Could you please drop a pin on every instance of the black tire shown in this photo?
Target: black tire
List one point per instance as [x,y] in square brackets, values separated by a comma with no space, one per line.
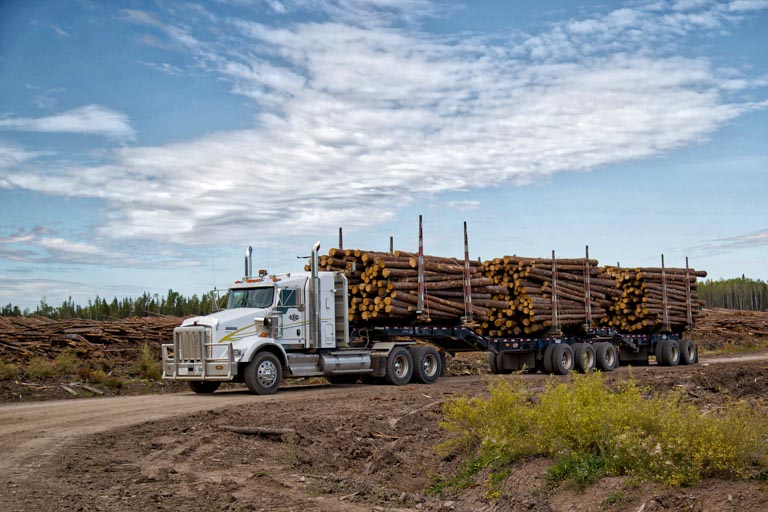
[344,378]
[585,358]
[203,387]
[547,361]
[426,364]
[562,359]
[263,374]
[399,366]
[606,356]
[659,352]
[672,353]
[688,352]
[492,362]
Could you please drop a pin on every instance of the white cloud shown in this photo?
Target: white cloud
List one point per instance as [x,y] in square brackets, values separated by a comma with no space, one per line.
[359,120]
[465,205]
[748,5]
[757,239]
[89,120]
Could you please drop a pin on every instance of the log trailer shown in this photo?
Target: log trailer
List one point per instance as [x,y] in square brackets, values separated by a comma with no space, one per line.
[297,325]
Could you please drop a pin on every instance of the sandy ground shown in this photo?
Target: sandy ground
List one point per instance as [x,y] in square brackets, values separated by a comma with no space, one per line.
[355,447]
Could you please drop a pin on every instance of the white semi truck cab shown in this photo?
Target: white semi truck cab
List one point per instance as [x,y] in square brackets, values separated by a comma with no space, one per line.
[289,325]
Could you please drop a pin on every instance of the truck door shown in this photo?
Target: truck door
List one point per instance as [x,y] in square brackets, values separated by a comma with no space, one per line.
[291,317]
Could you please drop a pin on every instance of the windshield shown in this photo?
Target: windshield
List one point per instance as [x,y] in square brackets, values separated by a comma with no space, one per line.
[251,298]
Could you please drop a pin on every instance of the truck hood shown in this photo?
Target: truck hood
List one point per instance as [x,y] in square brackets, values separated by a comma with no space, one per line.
[227,322]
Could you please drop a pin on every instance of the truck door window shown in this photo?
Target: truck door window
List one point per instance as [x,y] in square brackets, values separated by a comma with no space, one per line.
[287,300]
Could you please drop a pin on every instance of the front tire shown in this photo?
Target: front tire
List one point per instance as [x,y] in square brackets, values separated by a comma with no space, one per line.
[205,387]
[399,366]
[263,374]
[426,364]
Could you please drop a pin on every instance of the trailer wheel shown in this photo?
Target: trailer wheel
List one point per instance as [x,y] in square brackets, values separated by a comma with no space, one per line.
[547,361]
[672,353]
[263,374]
[492,362]
[659,352]
[562,359]
[606,356]
[426,364]
[688,352]
[399,366]
[586,359]
[203,387]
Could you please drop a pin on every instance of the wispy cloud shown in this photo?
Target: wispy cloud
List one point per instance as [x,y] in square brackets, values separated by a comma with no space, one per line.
[360,118]
[465,205]
[757,239]
[88,120]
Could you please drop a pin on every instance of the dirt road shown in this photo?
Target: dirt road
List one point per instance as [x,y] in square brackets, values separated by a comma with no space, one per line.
[356,446]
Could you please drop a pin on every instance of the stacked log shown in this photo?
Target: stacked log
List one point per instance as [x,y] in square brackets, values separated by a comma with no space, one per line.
[383,287]
[528,295]
[640,305]
[22,338]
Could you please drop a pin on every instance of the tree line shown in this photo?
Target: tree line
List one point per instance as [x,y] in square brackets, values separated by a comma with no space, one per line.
[737,293]
[171,304]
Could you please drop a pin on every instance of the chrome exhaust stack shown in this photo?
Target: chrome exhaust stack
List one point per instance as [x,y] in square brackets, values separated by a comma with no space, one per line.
[314,310]
[249,262]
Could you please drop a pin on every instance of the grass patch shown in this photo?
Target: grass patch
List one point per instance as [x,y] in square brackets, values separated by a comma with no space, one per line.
[100,377]
[742,346]
[592,431]
[39,368]
[67,362]
[8,371]
[147,365]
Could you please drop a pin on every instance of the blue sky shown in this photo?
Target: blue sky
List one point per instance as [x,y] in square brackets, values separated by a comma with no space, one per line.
[144,144]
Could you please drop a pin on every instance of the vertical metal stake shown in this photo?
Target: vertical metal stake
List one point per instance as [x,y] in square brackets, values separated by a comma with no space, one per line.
[587,290]
[420,301]
[467,278]
[665,305]
[555,318]
[688,305]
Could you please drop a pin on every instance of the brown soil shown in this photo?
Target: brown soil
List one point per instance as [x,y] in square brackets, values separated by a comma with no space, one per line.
[355,448]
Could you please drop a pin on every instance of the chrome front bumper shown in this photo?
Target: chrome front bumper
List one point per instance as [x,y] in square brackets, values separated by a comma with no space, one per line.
[192,356]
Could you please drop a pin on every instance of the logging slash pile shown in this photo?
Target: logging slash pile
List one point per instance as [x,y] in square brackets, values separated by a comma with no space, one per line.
[22,338]
[512,295]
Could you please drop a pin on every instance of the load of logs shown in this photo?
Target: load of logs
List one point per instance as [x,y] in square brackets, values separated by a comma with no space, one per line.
[640,305]
[512,296]
[22,338]
[384,286]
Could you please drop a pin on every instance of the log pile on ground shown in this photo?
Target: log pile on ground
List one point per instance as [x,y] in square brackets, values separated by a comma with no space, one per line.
[384,287]
[717,327]
[22,338]
[640,305]
[529,286]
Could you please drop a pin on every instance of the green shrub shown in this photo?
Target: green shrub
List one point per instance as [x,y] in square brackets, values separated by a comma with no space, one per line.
[8,371]
[39,368]
[592,431]
[147,365]
[100,377]
[67,362]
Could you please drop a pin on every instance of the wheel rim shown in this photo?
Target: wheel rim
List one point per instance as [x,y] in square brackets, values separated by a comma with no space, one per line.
[588,359]
[567,359]
[689,352]
[610,358]
[429,365]
[266,373]
[401,366]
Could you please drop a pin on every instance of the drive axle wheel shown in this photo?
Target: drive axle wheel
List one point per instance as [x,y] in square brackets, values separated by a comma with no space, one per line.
[672,353]
[263,374]
[203,387]
[426,364]
[399,366]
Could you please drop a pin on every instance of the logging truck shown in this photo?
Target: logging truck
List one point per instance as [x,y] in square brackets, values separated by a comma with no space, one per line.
[298,325]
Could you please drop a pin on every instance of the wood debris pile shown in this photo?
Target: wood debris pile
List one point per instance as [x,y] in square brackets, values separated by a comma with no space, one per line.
[22,338]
